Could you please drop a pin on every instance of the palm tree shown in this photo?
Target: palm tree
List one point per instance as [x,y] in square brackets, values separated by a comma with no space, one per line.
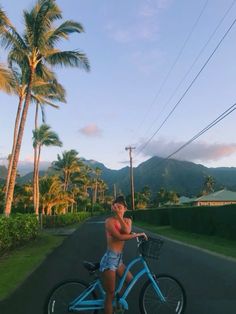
[209,185]
[53,91]
[68,164]
[43,95]
[43,136]
[52,194]
[97,173]
[34,51]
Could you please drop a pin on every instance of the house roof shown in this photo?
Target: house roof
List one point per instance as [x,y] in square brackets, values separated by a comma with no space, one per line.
[222,195]
[185,199]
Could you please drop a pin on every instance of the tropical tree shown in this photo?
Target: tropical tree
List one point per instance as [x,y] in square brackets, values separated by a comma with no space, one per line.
[67,164]
[34,51]
[43,136]
[52,195]
[42,94]
[97,172]
[208,185]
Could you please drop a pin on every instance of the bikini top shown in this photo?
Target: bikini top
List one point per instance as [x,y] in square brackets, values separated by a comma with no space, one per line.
[117,227]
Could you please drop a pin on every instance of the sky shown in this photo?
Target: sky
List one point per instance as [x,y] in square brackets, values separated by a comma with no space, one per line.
[146,88]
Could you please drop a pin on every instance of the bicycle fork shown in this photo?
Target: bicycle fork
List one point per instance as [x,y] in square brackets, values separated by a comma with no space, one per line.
[152,278]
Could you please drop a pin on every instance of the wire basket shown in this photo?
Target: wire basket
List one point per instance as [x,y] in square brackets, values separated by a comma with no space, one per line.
[151,248]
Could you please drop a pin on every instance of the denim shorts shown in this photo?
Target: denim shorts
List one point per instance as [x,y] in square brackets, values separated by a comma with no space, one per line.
[110,260]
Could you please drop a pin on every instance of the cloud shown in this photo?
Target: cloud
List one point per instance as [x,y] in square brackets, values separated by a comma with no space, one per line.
[141,24]
[91,130]
[138,31]
[151,8]
[196,151]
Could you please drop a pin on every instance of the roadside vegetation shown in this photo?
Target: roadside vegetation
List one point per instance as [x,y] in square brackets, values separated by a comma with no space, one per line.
[213,244]
[16,265]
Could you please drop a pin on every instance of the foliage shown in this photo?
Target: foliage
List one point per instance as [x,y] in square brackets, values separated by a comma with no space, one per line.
[16,230]
[54,221]
[164,196]
[157,217]
[212,220]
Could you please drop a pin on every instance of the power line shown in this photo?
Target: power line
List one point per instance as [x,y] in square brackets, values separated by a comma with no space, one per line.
[208,127]
[195,60]
[188,88]
[175,62]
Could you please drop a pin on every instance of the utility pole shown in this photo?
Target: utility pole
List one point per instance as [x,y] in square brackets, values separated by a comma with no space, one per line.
[114,190]
[129,148]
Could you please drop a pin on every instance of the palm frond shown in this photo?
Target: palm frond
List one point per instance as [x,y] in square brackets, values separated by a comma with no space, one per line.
[43,101]
[66,28]
[7,81]
[4,20]
[69,58]
[48,11]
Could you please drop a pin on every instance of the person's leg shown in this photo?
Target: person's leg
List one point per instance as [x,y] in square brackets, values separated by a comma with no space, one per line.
[109,281]
[120,271]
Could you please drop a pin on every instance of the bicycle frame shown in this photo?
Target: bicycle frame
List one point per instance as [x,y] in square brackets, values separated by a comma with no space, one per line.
[85,300]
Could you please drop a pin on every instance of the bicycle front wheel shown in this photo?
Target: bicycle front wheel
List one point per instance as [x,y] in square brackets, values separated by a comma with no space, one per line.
[172,290]
[62,295]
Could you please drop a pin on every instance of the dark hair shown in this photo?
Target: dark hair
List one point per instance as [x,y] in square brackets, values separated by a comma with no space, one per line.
[120,200]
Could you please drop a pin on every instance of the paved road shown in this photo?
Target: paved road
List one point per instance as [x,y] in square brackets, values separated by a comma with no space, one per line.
[210,281]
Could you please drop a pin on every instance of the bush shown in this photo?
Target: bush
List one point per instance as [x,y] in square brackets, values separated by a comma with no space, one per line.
[17,229]
[157,217]
[55,221]
[209,220]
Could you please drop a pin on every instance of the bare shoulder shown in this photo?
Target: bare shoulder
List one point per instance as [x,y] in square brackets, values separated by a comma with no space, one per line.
[109,220]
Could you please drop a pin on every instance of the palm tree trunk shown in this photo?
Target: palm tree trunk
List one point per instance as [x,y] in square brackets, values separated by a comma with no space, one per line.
[17,120]
[37,181]
[12,179]
[35,163]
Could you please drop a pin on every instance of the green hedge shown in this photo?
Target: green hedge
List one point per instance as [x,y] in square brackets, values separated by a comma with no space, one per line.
[17,229]
[157,217]
[64,220]
[209,220]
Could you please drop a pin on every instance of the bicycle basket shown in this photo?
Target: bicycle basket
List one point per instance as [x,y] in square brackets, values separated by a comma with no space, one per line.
[151,248]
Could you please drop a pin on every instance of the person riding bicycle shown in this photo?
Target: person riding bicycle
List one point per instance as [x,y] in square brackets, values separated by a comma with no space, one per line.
[118,230]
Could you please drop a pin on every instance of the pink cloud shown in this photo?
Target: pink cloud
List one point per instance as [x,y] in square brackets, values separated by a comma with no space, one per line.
[91,130]
[196,151]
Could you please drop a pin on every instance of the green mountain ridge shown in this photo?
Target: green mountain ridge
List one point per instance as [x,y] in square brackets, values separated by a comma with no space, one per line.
[185,178]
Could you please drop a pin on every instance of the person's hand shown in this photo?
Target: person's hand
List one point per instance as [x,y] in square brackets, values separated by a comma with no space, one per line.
[143,234]
[116,209]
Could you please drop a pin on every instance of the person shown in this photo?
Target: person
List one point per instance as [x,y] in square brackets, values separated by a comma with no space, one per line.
[118,230]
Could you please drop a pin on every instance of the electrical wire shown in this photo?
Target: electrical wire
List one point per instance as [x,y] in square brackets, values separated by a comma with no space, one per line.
[208,127]
[174,63]
[189,87]
[194,62]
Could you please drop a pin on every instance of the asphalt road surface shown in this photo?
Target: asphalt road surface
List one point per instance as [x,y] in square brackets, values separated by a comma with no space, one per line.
[209,281]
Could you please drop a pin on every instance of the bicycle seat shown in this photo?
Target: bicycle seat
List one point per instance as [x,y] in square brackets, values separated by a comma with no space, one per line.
[90,266]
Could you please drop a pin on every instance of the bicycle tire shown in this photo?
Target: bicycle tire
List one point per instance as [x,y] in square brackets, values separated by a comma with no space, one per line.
[62,294]
[171,288]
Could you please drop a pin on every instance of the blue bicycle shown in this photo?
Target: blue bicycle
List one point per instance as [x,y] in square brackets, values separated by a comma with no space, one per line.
[161,294]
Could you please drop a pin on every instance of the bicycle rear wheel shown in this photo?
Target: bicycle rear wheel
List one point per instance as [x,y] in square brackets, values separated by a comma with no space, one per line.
[61,296]
[172,290]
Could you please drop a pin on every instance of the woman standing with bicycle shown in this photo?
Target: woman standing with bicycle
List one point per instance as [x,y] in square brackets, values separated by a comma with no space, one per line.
[118,230]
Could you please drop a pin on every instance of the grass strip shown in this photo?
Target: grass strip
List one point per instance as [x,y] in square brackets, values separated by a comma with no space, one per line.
[212,243]
[18,264]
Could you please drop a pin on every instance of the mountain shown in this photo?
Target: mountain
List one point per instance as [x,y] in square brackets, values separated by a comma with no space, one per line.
[185,178]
